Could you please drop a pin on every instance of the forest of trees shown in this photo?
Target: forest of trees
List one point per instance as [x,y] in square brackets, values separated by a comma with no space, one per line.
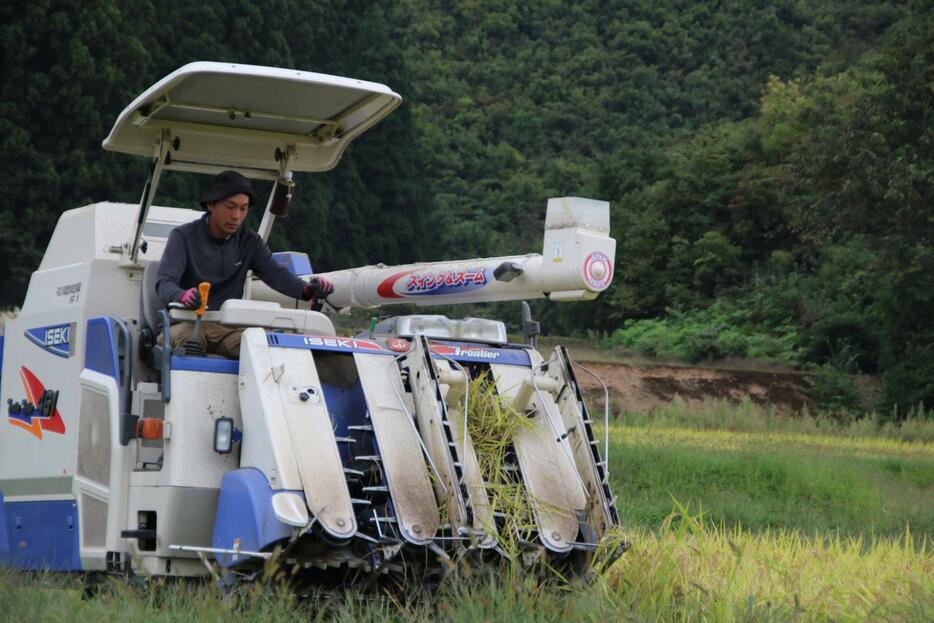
[769,164]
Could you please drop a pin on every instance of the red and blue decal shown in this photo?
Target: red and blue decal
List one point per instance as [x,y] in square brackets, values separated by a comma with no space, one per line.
[38,411]
[481,354]
[320,342]
[433,282]
[55,339]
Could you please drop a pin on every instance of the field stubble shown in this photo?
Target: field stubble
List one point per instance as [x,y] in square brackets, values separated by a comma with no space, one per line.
[733,515]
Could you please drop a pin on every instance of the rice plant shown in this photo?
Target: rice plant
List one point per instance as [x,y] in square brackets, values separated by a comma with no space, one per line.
[492,424]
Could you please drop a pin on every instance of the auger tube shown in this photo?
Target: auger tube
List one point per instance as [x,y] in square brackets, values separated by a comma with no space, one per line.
[576,264]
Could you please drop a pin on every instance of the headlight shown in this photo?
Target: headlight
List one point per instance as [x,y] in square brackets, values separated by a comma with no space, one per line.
[223,435]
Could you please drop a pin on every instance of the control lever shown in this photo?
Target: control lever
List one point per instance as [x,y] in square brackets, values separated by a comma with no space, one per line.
[193,347]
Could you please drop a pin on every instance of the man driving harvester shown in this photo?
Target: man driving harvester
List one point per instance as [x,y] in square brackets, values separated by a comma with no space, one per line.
[218,250]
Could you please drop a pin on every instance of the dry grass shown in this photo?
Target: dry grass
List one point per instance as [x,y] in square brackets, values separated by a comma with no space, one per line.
[747,417]
[492,424]
[690,570]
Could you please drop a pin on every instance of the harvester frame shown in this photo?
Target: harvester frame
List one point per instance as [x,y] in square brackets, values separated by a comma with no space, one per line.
[341,456]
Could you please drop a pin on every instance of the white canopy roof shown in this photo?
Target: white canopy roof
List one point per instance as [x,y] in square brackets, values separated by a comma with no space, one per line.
[221,115]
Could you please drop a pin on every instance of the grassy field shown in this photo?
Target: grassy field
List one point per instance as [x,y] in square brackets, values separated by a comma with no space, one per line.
[734,515]
[741,467]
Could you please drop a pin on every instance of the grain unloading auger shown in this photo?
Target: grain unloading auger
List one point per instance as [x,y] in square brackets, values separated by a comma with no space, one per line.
[341,456]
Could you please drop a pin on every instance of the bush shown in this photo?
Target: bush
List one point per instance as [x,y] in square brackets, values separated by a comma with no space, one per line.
[835,392]
[722,330]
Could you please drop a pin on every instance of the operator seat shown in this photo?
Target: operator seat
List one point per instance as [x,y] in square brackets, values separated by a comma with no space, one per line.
[149,317]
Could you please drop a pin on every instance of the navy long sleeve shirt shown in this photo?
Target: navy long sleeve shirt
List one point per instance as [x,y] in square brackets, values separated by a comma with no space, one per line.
[192,255]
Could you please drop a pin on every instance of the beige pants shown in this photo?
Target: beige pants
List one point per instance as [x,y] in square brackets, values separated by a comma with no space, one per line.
[214,337]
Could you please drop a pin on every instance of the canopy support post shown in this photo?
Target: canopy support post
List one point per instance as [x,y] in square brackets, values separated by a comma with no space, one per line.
[285,176]
[149,192]
[269,215]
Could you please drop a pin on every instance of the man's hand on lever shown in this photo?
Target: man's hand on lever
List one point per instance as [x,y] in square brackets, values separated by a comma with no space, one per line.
[317,289]
[190,298]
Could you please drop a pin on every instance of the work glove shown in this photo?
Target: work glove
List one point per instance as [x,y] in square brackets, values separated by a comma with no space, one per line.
[318,287]
[191,298]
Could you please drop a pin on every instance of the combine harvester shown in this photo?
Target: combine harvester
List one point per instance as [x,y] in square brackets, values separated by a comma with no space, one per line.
[342,457]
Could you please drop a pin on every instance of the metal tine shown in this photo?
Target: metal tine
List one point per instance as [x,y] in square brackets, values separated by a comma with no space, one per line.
[353,472]
[361,427]
[366,538]
[376,489]
[360,502]
[375,458]
[345,440]
[384,520]
[477,536]
[587,547]
[437,551]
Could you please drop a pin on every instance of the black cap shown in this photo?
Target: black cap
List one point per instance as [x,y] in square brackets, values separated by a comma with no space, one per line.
[225,184]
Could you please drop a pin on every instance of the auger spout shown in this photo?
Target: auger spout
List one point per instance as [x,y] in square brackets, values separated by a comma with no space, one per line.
[576,264]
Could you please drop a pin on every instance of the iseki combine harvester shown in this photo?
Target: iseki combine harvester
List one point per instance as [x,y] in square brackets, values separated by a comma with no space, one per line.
[338,457]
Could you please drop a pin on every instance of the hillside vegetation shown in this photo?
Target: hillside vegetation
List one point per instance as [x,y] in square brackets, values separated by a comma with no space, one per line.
[770,165]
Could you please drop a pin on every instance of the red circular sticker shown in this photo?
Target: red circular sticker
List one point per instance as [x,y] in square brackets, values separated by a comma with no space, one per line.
[598,270]
[397,344]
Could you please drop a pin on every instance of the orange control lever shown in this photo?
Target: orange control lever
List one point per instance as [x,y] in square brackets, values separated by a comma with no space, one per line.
[204,288]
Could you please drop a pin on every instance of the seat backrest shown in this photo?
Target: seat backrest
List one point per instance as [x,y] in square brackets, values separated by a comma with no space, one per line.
[149,303]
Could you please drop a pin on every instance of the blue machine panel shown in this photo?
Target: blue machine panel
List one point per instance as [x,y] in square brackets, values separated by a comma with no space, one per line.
[4,541]
[347,407]
[295,262]
[206,364]
[335,344]
[39,535]
[100,353]
[1,355]
[480,353]
[245,515]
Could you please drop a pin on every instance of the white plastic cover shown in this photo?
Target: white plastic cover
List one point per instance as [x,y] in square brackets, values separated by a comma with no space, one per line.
[239,116]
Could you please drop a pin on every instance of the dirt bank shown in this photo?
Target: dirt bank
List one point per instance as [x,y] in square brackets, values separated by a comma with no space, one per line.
[643,387]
